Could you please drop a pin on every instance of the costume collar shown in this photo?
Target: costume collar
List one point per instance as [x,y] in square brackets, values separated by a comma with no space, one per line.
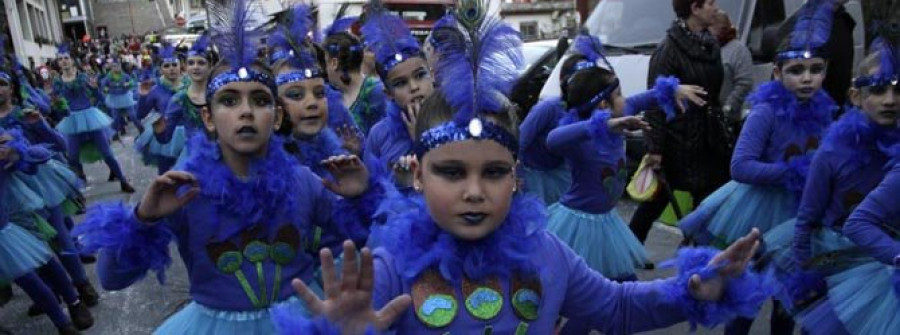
[856,134]
[418,244]
[812,115]
[266,199]
[311,151]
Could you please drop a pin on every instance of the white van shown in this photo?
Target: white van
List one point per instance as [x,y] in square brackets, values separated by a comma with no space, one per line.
[631,29]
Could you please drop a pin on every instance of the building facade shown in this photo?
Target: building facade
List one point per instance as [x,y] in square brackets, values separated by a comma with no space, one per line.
[33,29]
[541,19]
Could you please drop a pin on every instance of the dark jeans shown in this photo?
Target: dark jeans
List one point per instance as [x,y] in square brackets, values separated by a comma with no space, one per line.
[647,212]
[782,323]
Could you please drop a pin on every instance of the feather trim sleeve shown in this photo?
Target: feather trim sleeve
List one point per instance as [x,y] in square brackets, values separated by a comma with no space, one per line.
[354,216]
[742,296]
[661,96]
[129,247]
[30,156]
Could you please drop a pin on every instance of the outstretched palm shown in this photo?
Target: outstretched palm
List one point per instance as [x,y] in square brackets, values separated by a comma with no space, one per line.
[735,260]
[351,178]
[348,301]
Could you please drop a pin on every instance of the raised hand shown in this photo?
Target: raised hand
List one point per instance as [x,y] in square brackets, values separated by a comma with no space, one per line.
[734,262]
[350,139]
[621,124]
[32,116]
[8,155]
[348,301]
[162,200]
[689,92]
[403,174]
[410,115]
[351,178]
[159,126]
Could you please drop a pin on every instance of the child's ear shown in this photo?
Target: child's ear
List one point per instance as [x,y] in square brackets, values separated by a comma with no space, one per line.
[855,96]
[417,174]
[207,120]
[279,116]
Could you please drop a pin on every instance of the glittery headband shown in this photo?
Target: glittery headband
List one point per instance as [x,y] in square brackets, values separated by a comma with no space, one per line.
[398,58]
[170,60]
[240,75]
[798,54]
[335,48]
[477,129]
[876,80]
[195,53]
[279,55]
[602,95]
[295,76]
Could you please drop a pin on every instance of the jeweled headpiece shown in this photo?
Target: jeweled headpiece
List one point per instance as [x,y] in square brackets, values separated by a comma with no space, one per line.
[477,68]
[229,20]
[811,31]
[388,37]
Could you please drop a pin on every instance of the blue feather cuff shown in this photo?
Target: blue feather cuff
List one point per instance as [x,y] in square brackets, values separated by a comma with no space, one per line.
[135,246]
[795,177]
[288,324]
[742,296]
[608,144]
[665,88]
[354,216]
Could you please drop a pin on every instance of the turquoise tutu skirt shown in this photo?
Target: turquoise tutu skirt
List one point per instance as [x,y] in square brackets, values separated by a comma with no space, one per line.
[117,101]
[734,209]
[83,121]
[603,240]
[196,319]
[20,252]
[548,185]
[54,182]
[863,299]
[19,197]
[151,149]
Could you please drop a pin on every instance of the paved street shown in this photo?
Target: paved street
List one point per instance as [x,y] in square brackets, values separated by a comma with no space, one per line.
[139,309]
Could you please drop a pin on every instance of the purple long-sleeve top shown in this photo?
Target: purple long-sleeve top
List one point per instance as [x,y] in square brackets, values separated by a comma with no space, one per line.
[533,131]
[388,139]
[181,111]
[594,192]
[156,100]
[122,85]
[779,128]
[871,221]
[78,93]
[847,167]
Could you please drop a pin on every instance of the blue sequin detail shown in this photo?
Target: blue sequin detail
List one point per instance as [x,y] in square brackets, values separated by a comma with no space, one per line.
[483,297]
[450,132]
[433,304]
[295,76]
[232,76]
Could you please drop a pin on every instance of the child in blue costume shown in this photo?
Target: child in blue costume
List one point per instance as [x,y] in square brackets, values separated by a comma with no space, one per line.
[153,102]
[182,114]
[472,256]
[83,124]
[407,80]
[242,211]
[585,218]
[52,181]
[545,174]
[362,95]
[302,93]
[789,115]
[865,299]
[22,255]
[117,86]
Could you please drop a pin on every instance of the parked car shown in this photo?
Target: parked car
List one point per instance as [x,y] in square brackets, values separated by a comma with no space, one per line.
[540,58]
[631,29]
[179,35]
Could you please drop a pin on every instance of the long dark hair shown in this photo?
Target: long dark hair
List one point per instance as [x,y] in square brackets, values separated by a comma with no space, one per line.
[579,87]
[348,51]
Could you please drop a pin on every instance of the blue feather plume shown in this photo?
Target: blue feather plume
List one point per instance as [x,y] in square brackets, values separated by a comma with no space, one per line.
[889,63]
[167,51]
[813,25]
[478,66]
[591,48]
[200,45]
[386,34]
[62,48]
[341,25]
[229,21]
[291,35]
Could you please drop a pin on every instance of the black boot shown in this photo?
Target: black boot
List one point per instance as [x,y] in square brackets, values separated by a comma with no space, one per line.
[68,330]
[87,294]
[126,187]
[112,177]
[5,294]
[81,316]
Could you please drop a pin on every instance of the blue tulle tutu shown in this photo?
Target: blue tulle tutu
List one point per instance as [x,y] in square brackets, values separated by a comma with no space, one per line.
[196,319]
[117,101]
[603,240]
[54,182]
[20,252]
[864,300]
[83,121]
[548,185]
[731,211]
[19,197]
[151,149]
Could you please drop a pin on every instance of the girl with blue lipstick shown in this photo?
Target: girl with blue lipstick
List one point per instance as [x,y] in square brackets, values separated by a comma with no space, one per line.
[245,215]
[472,256]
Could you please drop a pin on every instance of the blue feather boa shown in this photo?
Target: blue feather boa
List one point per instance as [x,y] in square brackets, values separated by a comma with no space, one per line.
[665,89]
[418,244]
[394,119]
[311,152]
[811,116]
[855,135]
[30,155]
[135,246]
[268,197]
[743,295]
[287,323]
